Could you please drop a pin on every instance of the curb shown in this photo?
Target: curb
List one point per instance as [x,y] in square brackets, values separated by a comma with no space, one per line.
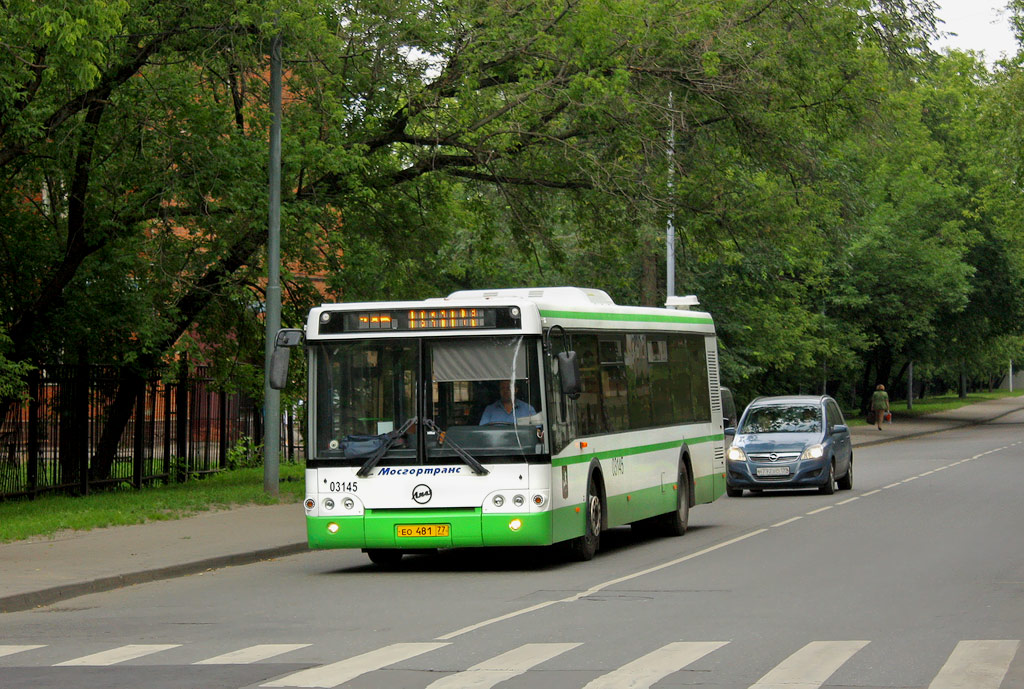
[26,601]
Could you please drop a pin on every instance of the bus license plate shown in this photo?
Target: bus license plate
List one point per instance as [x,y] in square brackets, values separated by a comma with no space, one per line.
[422,530]
[773,471]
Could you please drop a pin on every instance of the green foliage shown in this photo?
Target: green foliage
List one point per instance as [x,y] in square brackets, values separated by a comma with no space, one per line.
[244,454]
[12,373]
[844,200]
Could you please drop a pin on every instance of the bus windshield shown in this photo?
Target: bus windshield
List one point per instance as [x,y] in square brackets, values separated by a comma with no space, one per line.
[423,400]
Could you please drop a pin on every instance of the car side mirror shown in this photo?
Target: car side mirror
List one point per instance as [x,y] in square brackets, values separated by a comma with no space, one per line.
[286,338]
[730,430]
[840,428]
[569,373]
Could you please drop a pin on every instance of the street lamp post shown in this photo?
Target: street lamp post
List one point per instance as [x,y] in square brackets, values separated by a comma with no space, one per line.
[272,397]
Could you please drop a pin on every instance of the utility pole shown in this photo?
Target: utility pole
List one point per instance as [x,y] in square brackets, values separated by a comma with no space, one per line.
[271,397]
[670,231]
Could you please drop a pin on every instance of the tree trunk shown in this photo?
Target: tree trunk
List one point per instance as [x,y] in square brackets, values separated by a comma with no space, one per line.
[649,295]
[118,415]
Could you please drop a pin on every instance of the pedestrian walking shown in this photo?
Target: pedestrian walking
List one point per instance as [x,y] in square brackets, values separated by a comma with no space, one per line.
[880,404]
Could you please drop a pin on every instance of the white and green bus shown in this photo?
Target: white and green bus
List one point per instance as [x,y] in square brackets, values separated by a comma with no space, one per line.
[513,417]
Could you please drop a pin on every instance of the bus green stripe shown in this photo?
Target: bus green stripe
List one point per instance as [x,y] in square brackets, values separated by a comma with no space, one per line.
[642,317]
[638,450]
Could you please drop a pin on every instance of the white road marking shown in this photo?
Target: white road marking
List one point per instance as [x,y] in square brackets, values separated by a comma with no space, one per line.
[820,509]
[500,668]
[599,587]
[332,675]
[811,666]
[976,665]
[118,655]
[251,654]
[11,650]
[645,671]
[787,521]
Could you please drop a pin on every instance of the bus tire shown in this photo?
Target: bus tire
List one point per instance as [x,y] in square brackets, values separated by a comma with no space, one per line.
[584,547]
[384,557]
[675,523]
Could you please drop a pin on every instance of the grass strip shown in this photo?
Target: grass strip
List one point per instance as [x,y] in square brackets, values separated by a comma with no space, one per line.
[48,515]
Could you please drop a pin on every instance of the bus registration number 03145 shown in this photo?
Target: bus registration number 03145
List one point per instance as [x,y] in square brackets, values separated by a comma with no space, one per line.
[422,530]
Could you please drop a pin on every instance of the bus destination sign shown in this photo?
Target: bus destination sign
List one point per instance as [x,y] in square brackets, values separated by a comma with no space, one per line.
[421,319]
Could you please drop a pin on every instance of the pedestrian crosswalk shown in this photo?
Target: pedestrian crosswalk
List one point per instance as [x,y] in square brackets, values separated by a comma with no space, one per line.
[971,664]
[117,655]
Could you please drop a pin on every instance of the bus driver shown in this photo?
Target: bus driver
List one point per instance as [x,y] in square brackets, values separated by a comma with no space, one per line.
[500,411]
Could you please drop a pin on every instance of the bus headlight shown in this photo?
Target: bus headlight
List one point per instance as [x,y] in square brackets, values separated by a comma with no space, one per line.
[329,504]
[498,501]
[515,524]
[310,503]
[348,503]
[332,528]
[539,500]
[519,501]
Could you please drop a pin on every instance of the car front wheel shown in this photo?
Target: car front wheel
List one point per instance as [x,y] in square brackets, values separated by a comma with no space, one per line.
[829,486]
[846,482]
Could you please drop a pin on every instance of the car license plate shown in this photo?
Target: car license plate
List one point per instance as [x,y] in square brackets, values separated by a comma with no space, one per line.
[773,471]
[422,530]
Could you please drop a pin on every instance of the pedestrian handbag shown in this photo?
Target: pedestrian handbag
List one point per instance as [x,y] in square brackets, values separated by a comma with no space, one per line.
[888,416]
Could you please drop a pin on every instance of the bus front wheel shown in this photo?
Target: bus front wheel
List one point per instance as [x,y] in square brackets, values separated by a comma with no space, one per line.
[384,557]
[585,547]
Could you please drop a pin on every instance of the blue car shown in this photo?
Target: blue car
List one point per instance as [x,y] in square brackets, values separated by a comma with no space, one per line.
[800,441]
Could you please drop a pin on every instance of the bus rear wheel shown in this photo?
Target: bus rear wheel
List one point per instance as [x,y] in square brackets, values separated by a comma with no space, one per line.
[675,523]
[585,547]
[384,557]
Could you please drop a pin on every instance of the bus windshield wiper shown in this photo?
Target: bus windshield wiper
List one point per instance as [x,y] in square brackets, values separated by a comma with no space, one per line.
[392,437]
[442,440]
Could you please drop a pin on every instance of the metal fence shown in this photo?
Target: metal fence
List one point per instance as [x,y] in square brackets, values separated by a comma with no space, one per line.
[177,430]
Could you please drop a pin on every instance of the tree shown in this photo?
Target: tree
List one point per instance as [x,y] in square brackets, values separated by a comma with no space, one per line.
[416,133]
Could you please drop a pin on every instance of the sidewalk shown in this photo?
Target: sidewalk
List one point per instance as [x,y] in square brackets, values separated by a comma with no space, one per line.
[42,572]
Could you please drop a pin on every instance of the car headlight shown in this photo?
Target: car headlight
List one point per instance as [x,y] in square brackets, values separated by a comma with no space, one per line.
[813,452]
[736,454]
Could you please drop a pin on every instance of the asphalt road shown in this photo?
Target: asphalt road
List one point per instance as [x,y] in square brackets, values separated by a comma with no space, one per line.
[914,579]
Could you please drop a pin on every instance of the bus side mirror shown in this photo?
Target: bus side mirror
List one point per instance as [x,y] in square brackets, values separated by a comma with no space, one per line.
[286,339]
[569,372]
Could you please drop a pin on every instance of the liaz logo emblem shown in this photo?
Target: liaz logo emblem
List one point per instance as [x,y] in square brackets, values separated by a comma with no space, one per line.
[421,494]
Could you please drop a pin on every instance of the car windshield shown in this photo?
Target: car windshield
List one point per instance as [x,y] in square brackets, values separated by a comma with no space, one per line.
[782,419]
